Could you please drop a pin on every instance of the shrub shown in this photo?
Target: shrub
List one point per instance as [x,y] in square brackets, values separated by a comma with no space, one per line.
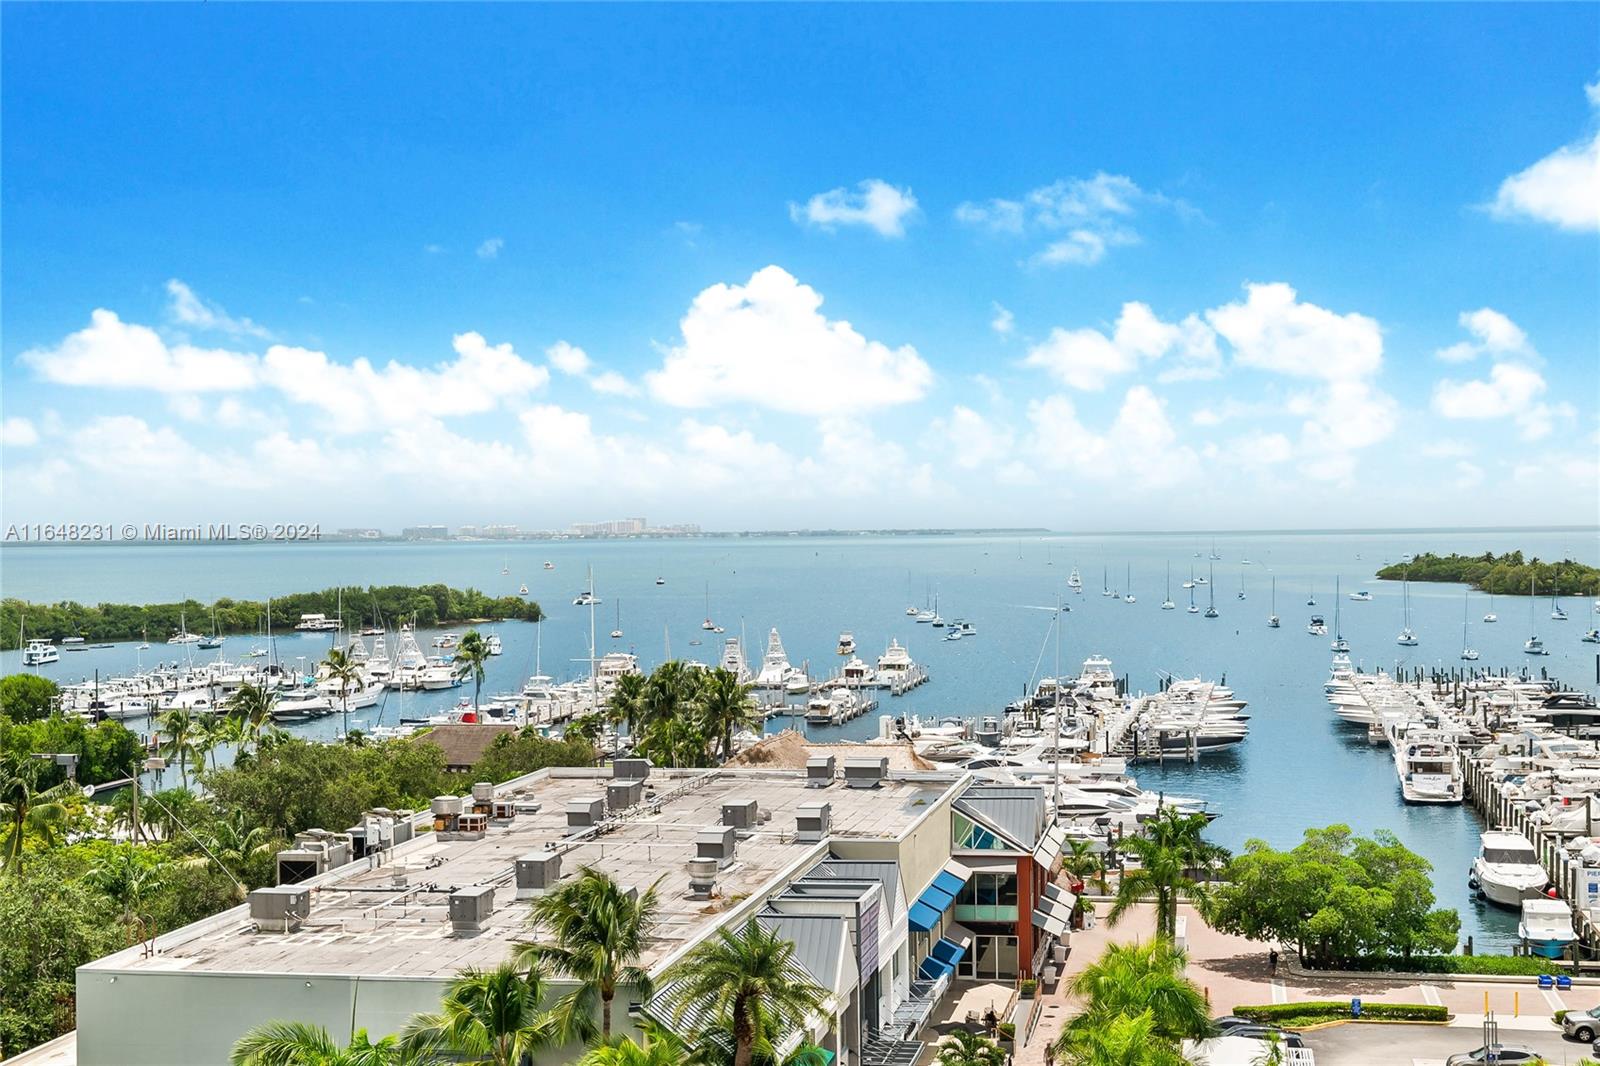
[1007,1030]
[1027,987]
[1315,1011]
[1494,965]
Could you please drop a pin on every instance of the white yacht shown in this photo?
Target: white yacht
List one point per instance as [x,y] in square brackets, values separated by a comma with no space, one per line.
[733,660]
[1361,596]
[586,598]
[894,663]
[776,672]
[494,644]
[1546,927]
[1317,627]
[1507,869]
[1408,636]
[40,653]
[1075,580]
[1167,604]
[847,644]
[522,590]
[1426,763]
[310,623]
[181,637]
[1128,584]
[1468,652]
[1490,616]
[1591,636]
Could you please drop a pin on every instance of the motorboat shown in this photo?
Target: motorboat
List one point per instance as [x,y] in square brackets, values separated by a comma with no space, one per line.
[40,653]
[1534,646]
[1075,580]
[494,644]
[1361,596]
[776,672]
[548,565]
[313,623]
[586,598]
[522,590]
[446,641]
[1591,636]
[954,633]
[180,637]
[1317,627]
[819,709]
[1426,764]
[1507,869]
[1546,927]
[894,663]
[733,660]
[966,628]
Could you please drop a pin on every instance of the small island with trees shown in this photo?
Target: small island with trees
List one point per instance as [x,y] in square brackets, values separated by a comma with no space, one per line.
[1503,575]
[423,605]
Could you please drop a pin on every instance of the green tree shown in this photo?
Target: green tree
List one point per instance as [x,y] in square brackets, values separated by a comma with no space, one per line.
[27,697]
[234,844]
[1335,896]
[726,706]
[27,811]
[961,1048]
[177,727]
[471,655]
[626,704]
[1134,997]
[129,876]
[251,706]
[748,978]
[347,672]
[299,1044]
[1083,860]
[50,924]
[489,1018]
[596,934]
[660,1048]
[1175,863]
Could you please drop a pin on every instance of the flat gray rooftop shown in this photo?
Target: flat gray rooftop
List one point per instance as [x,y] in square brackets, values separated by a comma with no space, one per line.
[367,922]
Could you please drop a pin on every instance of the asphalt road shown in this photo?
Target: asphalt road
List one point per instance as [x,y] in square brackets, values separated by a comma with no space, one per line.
[1426,1045]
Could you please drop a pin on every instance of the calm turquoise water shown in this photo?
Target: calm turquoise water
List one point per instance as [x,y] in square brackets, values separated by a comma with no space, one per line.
[1298,768]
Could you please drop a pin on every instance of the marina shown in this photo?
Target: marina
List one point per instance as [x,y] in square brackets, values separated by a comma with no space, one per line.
[1299,767]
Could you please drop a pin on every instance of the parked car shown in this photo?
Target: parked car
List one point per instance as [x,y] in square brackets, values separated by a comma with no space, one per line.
[1509,1054]
[1582,1024]
[1257,1031]
[1229,1022]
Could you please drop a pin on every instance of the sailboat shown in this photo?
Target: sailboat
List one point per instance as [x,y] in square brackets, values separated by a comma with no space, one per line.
[708,625]
[911,611]
[1211,607]
[1241,584]
[1192,608]
[1105,582]
[505,567]
[1075,580]
[1191,582]
[1407,637]
[616,634]
[1533,645]
[1311,600]
[1557,614]
[1272,619]
[215,639]
[1129,586]
[1491,616]
[1339,643]
[1468,652]
[146,633]
[938,623]
[1167,604]
[1214,556]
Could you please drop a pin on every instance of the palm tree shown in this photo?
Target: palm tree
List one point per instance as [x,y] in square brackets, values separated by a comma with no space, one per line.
[597,933]
[1130,982]
[26,810]
[299,1044]
[233,845]
[347,672]
[128,881]
[660,1048]
[251,706]
[471,654]
[1174,862]
[1128,1040]
[961,1048]
[626,705]
[750,979]
[725,706]
[177,725]
[208,733]
[1083,860]
[489,1018]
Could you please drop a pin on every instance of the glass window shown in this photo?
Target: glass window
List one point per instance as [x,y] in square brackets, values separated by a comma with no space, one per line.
[1007,890]
[988,889]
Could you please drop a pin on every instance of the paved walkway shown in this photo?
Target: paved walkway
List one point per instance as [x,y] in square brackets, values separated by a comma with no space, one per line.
[1234,972]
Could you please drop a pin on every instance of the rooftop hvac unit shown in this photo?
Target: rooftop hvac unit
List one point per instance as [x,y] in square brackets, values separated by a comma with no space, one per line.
[467,827]
[620,795]
[811,822]
[537,872]
[702,877]
[819,771]
[503,811]
[630,769]
[866,772]
[740,814]
[470,908]
[300,864]
[715,842]
[585,813]
[446,806]
[483,792]
[280,909]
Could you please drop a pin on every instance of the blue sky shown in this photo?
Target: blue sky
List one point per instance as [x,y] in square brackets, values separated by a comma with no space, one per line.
[1354,254]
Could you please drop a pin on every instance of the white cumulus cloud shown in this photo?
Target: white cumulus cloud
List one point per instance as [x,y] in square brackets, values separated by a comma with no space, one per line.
[567,358]
[1562,189]
[1080,218]
[767,343]
[1086,358]
[1273,330]
[1493,334]
[111,353]
[873,203]
[188,309]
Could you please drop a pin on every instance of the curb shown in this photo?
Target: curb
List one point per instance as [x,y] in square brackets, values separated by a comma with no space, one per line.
[1295,969]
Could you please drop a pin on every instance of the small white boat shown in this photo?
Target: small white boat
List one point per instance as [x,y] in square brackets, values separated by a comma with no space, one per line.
[494,645]
[847,644]
[586,599]
[1317,627]
[1546,927]
[1361,596]
[1591,637]
[522,591]
[1507,869]
[661,581]
[40,653]
[548,565]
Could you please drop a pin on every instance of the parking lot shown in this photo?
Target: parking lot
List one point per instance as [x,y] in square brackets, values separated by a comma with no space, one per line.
[1428,1045]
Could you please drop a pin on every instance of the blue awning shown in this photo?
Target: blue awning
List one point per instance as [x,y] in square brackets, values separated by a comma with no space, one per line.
[937,897]
[941,960]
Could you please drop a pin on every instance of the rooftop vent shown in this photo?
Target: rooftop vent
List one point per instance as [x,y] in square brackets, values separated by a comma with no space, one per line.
[866,772]
[702,877]
[620,795]
[446,806]
[483,791]
[470,908]
[502,811]
[585,813]
[740,814]
[280,909]
[715,842]
[819,771]
[630,769]
[811,822]
[537,872]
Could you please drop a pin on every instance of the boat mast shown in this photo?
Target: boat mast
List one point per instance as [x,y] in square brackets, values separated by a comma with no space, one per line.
[594,668]
[1055,794]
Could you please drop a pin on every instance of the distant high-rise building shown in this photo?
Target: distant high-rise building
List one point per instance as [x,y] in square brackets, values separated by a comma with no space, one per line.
[425,533]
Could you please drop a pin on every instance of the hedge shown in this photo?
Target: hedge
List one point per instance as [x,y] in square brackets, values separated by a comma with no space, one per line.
[1328,1010]
[1495,965]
